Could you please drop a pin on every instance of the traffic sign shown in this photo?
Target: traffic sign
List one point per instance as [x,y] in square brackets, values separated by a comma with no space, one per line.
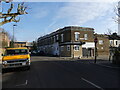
[96,40]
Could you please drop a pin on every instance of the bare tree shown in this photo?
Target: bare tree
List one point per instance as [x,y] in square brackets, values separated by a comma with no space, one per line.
[117,12]
[11,17]
[109,32]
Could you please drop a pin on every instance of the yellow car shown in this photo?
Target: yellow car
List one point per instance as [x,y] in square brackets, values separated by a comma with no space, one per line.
[16,57]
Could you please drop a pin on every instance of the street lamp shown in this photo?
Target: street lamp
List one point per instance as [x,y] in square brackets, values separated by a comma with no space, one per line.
[13,33]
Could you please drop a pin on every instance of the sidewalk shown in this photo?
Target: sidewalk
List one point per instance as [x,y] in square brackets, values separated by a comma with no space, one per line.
[109,64]
[100,61]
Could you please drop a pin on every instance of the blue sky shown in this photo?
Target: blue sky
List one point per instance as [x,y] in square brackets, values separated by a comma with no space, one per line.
[46,17]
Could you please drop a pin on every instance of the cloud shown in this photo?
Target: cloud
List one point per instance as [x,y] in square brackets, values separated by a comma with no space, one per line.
[111,24]
[65,0]
[40,12]
[80,13]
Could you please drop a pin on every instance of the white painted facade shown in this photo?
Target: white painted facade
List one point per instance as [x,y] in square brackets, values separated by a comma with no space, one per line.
[51,49]
[114,43]
[88,45]
[55,49]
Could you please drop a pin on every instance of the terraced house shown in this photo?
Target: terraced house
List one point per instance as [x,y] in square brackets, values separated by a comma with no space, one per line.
[69,41]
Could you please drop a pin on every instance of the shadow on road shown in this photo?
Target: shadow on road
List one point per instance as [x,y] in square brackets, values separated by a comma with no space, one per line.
[8,70]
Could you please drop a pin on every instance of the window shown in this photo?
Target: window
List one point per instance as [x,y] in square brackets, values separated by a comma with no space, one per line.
[100,41]
[77,36]
[101,47]
[61,37]
[57,37]
[111,42]
[76,47]
[116,43]
[51,39]
[85,36]
[62,48]
[54,39]
[17,52]
[68,47]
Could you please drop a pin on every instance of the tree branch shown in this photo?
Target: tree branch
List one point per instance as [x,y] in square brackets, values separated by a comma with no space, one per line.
[10,17]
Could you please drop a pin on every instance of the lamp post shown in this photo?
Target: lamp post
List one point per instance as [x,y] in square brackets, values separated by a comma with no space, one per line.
[13,33]
[95,40]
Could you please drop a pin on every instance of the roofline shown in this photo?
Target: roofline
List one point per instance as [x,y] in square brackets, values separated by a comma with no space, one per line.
[61,29]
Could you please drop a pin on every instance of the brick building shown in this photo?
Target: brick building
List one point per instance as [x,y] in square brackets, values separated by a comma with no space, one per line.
[69,41]
[4,39]
[102,45]
[20,44]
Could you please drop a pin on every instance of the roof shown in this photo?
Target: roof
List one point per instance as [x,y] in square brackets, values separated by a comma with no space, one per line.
[16,48]
[114,36]
[67,28]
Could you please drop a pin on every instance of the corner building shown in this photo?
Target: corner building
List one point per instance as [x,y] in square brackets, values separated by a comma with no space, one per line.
[69,41]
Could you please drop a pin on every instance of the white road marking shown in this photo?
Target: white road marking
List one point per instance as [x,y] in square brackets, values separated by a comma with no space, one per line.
[92,84]
[23,84]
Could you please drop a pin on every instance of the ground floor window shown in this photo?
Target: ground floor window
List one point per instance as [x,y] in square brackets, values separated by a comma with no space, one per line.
[68,47]
[62,48]
[88,52]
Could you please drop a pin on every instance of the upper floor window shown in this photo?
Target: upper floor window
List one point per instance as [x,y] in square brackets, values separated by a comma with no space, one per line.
[102,48]
[68,47]
[61,37]
[77,36]
[111,43]
[51,39]
[100,41]
[76,47]
[56,37]
[116,43]
[85,36]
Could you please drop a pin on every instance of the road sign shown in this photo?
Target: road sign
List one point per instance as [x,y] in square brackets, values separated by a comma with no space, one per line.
[96,40]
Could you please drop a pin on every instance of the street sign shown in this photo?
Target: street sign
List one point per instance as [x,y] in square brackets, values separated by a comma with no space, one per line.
[96,40]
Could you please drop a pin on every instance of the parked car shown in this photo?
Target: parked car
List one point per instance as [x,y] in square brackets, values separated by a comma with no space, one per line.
[15,58]
[41,53]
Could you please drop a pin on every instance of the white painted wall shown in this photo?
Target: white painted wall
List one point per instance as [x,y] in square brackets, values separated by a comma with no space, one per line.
[89,45]
[55,49]
[114,43]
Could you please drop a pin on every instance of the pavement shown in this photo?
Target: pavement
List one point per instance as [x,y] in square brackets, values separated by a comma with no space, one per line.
[99,61]
[51,72]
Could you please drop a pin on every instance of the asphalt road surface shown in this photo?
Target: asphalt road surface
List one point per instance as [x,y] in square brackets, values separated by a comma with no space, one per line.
[52,73]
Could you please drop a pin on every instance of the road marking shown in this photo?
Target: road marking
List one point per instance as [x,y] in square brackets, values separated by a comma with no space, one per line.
[92,84]
[23,84]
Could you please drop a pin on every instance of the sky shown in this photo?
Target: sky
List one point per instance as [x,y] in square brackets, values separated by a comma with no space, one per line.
[46,17]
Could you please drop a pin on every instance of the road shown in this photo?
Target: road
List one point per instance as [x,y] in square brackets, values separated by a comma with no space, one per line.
[52,73]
